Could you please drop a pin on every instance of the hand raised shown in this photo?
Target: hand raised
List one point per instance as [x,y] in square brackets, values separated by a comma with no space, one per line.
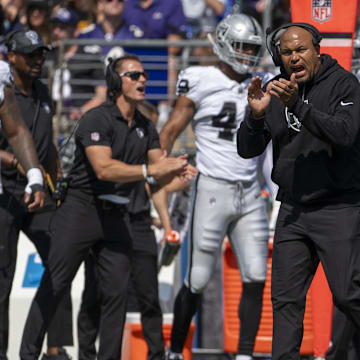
[258,99]
[168,165]
[286,90]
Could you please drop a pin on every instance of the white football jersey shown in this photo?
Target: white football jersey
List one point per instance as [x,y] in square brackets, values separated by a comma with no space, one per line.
[220,108]
[6,78]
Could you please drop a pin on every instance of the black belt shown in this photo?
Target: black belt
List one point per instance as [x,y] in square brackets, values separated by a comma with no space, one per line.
[109,205]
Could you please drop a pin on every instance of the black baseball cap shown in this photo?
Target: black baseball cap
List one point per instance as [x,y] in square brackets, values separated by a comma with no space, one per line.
[25,42]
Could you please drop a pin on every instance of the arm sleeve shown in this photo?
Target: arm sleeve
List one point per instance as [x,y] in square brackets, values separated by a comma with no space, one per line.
[94,130]
[188,84]
[340,126]
[154,141]
[252,137]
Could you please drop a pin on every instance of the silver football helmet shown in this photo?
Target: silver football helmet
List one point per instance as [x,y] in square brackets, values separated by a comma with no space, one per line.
[233,35]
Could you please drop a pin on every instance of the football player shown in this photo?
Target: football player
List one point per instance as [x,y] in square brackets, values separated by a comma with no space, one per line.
[226,199]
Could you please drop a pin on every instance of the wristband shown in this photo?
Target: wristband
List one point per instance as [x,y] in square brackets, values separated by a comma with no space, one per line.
[34,177]
[144,171]
[151,180]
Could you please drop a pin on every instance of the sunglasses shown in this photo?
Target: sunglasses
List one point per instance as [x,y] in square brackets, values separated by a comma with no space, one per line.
[135,75]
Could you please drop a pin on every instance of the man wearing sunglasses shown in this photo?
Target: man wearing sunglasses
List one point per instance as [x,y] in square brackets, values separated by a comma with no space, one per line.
[115,147]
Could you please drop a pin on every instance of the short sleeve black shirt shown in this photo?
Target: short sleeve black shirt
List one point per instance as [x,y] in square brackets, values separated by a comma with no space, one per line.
[37,112]
[105,126]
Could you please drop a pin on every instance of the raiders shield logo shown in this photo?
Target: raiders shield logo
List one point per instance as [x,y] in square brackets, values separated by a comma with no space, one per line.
[321,10]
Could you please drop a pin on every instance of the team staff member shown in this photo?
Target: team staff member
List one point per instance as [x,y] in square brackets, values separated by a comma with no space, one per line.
[20,140]
[115,144]
[213,98]
[26,56]
[311,113]
[143,287]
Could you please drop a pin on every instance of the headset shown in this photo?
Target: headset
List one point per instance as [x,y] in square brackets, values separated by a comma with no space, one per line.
[273,39]
[113,80]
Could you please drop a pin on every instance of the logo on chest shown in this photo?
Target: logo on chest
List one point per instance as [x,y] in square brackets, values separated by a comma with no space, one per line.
[46,107]
[140,132]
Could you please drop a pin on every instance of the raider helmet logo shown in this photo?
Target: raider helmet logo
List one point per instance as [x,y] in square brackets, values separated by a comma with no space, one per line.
[32,36]
[321,10]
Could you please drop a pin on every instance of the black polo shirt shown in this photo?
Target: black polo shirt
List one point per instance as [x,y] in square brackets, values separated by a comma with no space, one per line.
[105,126]
[139,199]
[37,111]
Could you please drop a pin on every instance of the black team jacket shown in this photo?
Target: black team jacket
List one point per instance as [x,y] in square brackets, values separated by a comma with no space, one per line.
[320,164]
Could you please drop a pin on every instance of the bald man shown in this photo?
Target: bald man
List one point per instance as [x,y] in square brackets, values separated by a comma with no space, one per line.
[311,113]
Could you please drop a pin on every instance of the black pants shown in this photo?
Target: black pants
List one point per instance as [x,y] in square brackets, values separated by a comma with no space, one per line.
[81,224]
[303,236]
[145,285]
[13,218]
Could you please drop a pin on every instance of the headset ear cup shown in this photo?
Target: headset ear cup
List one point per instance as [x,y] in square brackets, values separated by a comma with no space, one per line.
[273,48]
[113,80]
[277,56]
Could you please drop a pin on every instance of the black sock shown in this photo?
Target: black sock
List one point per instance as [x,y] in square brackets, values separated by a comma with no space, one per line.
[249,313]
[185,307]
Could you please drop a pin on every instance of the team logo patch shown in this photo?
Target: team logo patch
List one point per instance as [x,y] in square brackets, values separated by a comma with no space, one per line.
[157,15]
[321,10]
[46,107]
[95,136]
[212,201]
[292,120]
[32,36]
[140,132]
[183,86]
[138,33]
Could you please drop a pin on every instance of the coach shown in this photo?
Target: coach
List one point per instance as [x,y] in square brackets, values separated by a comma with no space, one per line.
[311,113]
[114,144]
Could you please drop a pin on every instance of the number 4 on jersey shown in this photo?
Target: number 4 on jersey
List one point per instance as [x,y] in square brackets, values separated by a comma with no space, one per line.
[226,120]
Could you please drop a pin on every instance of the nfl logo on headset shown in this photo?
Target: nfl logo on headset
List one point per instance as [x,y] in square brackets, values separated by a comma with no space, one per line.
[321,10]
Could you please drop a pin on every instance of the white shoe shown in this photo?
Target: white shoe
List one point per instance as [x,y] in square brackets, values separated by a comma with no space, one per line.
[243,357]
[174,356]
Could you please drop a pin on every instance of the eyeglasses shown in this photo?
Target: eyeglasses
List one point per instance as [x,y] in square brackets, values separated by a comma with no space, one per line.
[119,1]
[135,75]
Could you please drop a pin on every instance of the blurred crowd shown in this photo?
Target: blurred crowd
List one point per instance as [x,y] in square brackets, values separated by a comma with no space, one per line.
[198,15]
[104,20]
